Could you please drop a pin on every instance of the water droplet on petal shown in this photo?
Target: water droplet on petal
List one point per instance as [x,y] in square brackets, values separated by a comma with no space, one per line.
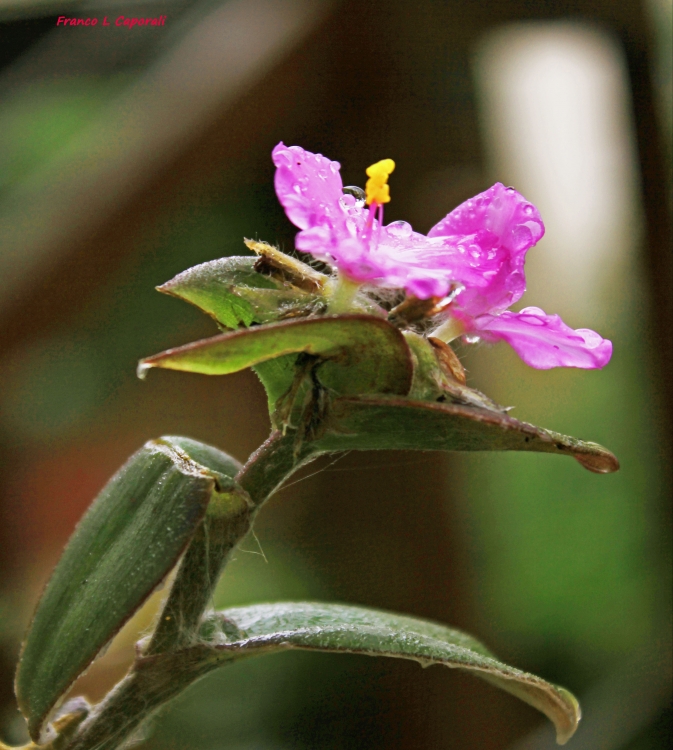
[536,229]
[532,311]
[284,156]
[357,192]
[591,338]
[528,209]
[522,237]
[399,229]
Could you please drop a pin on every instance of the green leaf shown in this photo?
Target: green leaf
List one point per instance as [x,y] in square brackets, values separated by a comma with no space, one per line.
[221,464]
[361,353]
[267,628]
[233,293]
[276,376]
[123,547]
[393,423]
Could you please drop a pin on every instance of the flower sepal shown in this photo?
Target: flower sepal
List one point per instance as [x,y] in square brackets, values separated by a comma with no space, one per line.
[355,382]
[344,354]
[439,376]
[240,291]
[402,423]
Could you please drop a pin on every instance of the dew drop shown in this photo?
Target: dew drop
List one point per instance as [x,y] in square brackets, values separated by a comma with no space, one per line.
[522,237]
[600,460]
[399,229]
[471,339]
[284,156]
[357,192]
[528,209]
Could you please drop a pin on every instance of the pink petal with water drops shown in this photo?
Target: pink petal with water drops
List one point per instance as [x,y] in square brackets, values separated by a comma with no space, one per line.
[492,233]
[545,341]
[308,187]
[500,210]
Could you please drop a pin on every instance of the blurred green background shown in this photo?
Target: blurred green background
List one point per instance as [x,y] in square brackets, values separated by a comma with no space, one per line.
[127,156]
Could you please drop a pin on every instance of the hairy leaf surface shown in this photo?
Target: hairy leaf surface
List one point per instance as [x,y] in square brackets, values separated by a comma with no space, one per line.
[233,293]
[267,628]
[123,547]
[378,423]
[357,353]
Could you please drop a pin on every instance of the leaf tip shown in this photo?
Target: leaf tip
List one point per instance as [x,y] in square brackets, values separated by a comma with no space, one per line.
[597,459]
[566,721]
[142,368]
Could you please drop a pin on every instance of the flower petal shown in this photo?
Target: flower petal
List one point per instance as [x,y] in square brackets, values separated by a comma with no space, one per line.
[545,341]
[308,186]
[500,210]
[492,233]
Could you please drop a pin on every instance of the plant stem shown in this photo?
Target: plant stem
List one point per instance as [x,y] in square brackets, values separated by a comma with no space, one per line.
[200,568]
[271,464]
[149,685]
[342,296]
[215,540]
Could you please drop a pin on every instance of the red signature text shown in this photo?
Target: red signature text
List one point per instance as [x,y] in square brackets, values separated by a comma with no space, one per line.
[120,21]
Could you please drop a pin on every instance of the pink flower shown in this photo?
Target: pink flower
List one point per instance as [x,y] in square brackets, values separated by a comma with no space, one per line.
[478,250]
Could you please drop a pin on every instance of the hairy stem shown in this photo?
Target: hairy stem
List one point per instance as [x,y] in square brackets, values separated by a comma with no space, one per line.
[216,539]
[342,295]
[271,464]
[199,571]
[149,684]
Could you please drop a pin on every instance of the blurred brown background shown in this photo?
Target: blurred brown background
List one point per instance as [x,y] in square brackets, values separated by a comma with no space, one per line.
[128,155]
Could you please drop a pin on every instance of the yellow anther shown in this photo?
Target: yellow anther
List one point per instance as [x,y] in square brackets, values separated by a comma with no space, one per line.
[377,188]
